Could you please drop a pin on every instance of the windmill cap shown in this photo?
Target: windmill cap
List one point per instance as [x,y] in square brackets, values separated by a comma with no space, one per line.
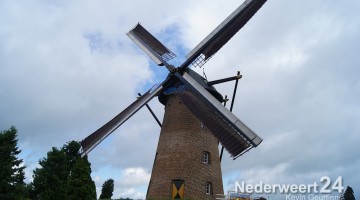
[177,86]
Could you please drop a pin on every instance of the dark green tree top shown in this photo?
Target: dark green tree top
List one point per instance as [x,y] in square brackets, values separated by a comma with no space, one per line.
[81,186]
[72,150]
[107,189]
[50,180]
[11,169]
[64,175]
[349,194]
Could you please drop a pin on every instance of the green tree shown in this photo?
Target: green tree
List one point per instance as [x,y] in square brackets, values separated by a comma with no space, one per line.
[107,189]
[50,181]
[29,191]
[64,175]
[12,173]
[349,194]
[80,184]
[72,151]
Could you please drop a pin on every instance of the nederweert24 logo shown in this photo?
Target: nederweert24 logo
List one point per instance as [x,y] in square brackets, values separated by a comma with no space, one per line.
[325,186]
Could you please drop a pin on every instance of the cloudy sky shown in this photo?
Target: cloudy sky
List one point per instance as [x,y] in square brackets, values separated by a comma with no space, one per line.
[67,67]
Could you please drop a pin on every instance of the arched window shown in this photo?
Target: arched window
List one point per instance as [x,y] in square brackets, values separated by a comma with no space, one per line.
[206,157]
[208,188]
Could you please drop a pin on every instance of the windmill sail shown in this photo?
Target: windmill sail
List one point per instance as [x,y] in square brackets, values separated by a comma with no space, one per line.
[99,135]
[223,33]
[233,134]
[150,45]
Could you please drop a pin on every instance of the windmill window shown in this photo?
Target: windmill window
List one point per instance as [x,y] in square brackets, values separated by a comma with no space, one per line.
[202,126]
[208,188]
[206,157]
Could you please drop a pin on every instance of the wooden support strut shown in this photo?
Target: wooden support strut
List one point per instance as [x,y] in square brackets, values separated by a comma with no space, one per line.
[222,147]
[232,101]
[152,112]
[237,77]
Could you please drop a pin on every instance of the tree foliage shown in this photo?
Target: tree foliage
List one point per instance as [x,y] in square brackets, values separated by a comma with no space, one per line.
[64,175]
[107,189]
[50,180]
[349,194]
[12,173]
[80,183]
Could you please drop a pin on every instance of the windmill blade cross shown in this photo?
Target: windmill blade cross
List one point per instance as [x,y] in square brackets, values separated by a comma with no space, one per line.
[231,132]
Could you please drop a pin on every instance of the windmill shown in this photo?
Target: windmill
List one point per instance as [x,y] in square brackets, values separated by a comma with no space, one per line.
[187,163]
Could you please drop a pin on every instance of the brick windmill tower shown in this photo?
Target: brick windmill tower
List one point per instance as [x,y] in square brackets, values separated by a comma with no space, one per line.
[187,164]
[187,160]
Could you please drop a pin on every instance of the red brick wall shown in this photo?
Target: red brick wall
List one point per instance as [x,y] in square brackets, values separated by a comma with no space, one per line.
[180,149]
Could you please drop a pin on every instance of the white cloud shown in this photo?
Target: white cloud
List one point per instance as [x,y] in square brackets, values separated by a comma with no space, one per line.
[134,177]
[128,182]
